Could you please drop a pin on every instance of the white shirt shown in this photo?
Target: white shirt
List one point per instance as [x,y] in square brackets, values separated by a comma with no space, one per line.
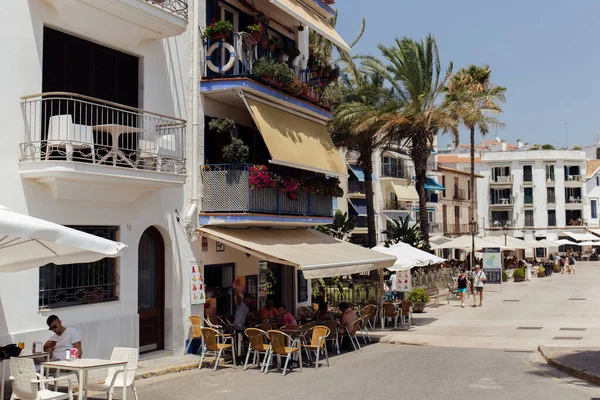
[477,278]
[241,314]
[394,283]
[64,342]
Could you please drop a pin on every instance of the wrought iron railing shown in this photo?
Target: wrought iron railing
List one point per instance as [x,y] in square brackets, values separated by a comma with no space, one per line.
[227,190]
[73,127]
[177,7]
[395,171]
[501,223]
[501,179]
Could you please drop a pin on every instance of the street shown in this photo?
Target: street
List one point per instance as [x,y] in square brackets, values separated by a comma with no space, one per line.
[385,371]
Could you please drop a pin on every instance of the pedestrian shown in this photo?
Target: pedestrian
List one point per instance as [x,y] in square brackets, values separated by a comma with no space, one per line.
[557,261]
[478,282]
[571,263]
[461,285]
[562,265]
[567,267]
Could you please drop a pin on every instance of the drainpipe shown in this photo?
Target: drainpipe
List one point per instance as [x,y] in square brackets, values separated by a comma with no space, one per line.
[195,100]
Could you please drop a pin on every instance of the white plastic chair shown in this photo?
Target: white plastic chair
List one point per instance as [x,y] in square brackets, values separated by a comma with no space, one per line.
[152,152]
[29,385]
[62,132]
[114,378]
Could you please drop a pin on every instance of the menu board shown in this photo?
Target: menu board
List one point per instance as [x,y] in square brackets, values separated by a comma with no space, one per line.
[302,288]
[262,283]
[197,293]
[404,281]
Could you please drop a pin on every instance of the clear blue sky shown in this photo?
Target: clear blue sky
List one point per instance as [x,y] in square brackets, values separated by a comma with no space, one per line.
[546,53]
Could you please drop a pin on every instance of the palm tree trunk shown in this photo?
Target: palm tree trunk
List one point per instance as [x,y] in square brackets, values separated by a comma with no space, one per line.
[371,227]
[472,207]
[419,155]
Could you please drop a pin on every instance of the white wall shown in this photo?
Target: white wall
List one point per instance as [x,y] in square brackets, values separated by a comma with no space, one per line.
[164,89]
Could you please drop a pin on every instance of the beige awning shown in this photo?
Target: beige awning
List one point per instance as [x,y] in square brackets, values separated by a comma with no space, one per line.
[309,17]
[405,192]
[317,254]
[296,142]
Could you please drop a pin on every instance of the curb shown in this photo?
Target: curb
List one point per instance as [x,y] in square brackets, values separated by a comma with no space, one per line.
[167,370]
[578,373]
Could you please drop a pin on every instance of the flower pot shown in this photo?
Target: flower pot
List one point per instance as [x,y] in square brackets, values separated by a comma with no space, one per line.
[277,84]
[271,47]
[541,274]
[267,79]
[518,278]
[264,42]
[256,35]
[419,307]
[221,35]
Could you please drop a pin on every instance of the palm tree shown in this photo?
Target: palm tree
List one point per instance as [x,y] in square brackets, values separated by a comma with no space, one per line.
[473,100]
[414,72]
[358,119]
[341,227]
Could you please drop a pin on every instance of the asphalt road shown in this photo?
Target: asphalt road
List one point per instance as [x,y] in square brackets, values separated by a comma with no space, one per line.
[385,371]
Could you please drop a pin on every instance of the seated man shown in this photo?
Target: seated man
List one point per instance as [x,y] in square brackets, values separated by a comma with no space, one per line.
[348,317]
[288,318]
[240,320]
[62,340]
[268,311]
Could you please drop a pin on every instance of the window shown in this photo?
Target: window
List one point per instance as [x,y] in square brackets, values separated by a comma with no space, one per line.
[551,217]
[444,185]
[75,284]
[529,218]
[551,195]
[527,173]
[391,167]
[573,195]
[593,206]
[528,195]
[597,180]
[550,173]
[456,218]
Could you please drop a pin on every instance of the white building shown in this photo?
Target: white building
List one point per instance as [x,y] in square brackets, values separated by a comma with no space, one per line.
[539,193]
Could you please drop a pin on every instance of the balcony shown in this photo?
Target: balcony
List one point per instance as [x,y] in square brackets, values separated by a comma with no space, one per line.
[121,22]
[227,190]
[501,180]
[456,229]
[356,188]
[502,223]
[83,148]
[395,171]
[459,194]
[573,180]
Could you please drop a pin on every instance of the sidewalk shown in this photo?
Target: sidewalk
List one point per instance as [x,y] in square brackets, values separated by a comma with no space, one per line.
[582,363]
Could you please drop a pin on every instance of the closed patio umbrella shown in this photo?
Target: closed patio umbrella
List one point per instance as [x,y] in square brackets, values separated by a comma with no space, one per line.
[408,256]
[464,243]
[28,242]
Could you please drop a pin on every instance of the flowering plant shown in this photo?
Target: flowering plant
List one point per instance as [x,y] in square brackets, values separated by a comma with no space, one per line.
[260,177]
[255,27]
[291,186]
[217,27]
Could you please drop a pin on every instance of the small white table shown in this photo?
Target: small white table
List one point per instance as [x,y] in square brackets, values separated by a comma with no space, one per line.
[116,130]
[82,366]
[42,354]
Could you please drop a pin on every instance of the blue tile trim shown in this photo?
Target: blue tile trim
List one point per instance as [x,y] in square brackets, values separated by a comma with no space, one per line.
[207,86]
[206,219]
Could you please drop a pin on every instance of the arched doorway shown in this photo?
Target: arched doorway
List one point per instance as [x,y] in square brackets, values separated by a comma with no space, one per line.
[151,290]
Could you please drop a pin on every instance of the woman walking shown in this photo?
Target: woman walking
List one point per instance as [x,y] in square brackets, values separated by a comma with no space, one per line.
[461,285]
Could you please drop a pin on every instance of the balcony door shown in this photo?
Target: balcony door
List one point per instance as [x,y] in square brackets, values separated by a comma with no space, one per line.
[151,290]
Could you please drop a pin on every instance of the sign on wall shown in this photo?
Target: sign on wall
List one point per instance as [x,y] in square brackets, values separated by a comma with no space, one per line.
[302,288]
[404,281]
[197,293]
[262,283]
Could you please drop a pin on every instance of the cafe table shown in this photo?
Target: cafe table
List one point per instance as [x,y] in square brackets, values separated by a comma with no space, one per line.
[42,354]
[81,368]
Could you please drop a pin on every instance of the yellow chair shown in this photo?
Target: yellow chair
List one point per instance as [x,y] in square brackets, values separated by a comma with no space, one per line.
[264,327]
[279,346]
[317,343]
[195,331]
[258,345]
[212,345]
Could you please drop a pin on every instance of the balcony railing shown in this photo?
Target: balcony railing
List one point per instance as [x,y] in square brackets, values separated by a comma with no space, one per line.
[575,178]
[394,171]
[355,187]
[501,201]
[501,179]
[501,223]
[227,190]
[459,194]
[177,7]
[73,127]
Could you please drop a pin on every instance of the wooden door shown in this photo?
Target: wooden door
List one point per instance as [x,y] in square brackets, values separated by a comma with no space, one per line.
[151,290]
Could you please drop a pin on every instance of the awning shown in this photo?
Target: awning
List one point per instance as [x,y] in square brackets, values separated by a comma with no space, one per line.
[359,173]
[405,193]
[396,215]
[581,237]
[313,20]
[296,142]
[431,184]
[360,206]
[317,254]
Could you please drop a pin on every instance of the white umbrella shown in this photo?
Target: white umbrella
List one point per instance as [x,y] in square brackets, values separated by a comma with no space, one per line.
[464,243]
[548,243]
[589,243]
[562,242]
[511,241]
[27,242]
[439,239]
[408,256]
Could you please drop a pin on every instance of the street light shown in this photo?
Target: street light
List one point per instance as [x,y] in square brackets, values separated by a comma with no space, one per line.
[505,231]
[472,227]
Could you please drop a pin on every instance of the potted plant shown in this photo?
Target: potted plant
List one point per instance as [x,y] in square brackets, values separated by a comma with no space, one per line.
[236,152]
[290,52]
[519,275]
[327,71]
[283,75]
[541,272]
[296,87]
[218,30]
[419,298]
[273,42]
[504,277]
[255,30]
[556,269]
[264,69]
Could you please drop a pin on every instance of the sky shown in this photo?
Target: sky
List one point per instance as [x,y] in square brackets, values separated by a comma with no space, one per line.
[546,53]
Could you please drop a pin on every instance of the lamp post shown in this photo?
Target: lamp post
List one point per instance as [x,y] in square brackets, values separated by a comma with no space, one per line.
[505,231]
[472,227]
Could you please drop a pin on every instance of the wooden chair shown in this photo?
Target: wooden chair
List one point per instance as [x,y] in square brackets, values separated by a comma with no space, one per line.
[279,346]
[258,345]
[264,327]
[195,331]
[211,344]
[406,312]
[390,311]
[318,343]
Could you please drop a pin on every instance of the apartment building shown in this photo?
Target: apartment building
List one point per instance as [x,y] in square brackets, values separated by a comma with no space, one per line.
[538,193]
[455,202]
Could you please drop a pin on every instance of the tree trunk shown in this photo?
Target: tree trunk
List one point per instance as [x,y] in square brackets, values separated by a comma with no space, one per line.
[420,154]
[472,224]
[366,163]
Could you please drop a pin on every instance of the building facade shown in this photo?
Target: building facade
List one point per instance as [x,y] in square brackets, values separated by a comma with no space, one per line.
[455,202]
